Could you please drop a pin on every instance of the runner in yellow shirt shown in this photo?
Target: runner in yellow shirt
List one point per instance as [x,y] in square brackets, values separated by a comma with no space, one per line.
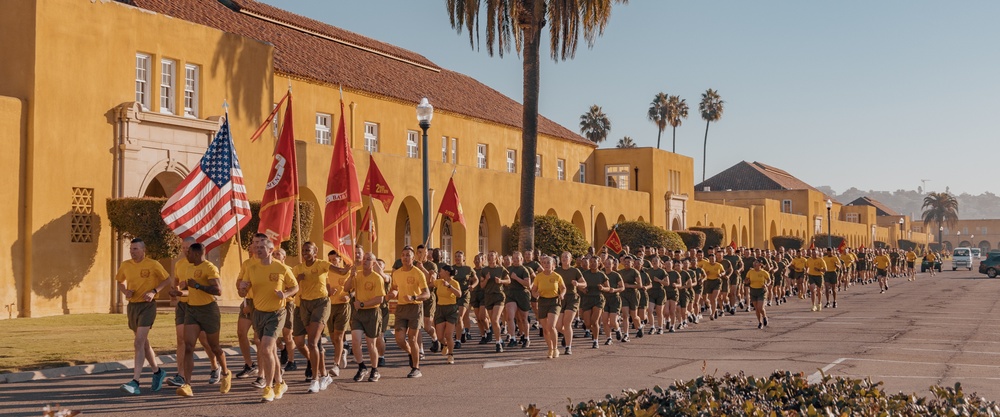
[713,283]
[882,264]
[201,279]
[758,280]
[139,280]
[313,312]
[446,316]
[245,321]
[830,278]
[369,293]
[180,311]
[550,289]
[930,257]
[911,259]
[816,267]
[409,288]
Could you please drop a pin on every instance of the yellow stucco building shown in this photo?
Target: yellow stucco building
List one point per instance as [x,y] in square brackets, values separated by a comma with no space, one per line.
[106,99]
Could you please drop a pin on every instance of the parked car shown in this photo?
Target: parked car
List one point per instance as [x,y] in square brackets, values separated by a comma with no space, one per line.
[924,265]
[991,265]
[977,254]
[961,258]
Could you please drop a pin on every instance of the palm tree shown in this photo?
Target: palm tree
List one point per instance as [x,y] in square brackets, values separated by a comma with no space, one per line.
[941,208]
[518,24]
[595,125]
[677,109]
[657,114]
[626,143]
[711,108]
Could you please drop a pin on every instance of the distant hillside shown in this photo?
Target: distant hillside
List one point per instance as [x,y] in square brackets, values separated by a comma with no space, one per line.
[970,207]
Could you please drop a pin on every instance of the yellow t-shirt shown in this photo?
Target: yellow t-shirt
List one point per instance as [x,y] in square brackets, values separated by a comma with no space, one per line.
[201,274]
[713,271]
[141,277]
[407,283]
[367,287]
[911,256]
[313,287]
[267,279]
[549,285]
[832,263]
[846,259]
[182,263]
[243,270]
[799,264]
[930,257]
[444,295]
[335,283]
[758,279]
[816,266]
[882,261]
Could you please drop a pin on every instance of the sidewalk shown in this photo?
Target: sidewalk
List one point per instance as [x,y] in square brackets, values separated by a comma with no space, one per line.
[96,368]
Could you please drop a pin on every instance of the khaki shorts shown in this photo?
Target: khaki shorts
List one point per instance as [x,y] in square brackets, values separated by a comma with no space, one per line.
[269,323]
[446,313]
[548,306]
[521,297]
[570,302]
[589,302]
[368,321]
[757,294]
[712,285]
[311,311]
[491,301]
[179,312]
[340,317]
[385,317]
[409,316]
[476,299]
[289,314]
[430,305]
[297,325]
[207,317]
[141,315]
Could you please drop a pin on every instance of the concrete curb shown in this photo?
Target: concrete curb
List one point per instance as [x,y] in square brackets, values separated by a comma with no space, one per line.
[97,368]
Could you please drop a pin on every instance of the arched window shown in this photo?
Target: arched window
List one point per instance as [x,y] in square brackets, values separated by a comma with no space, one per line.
[484,235]
[406,232]
[446,240]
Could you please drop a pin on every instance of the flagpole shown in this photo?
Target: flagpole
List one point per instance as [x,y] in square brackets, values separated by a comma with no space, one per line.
[232,190]
[437,215]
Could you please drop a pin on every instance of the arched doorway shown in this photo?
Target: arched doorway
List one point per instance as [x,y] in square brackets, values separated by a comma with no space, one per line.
[985,247]
[489,236]
[552,212]
[600,230]
[773,230]
[409,224]
[621,219]
[675,224]
[580,223]
[744,238]
[734,234]
[446,240]
[163,185]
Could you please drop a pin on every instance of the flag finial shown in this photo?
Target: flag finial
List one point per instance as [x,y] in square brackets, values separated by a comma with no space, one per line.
[225,104]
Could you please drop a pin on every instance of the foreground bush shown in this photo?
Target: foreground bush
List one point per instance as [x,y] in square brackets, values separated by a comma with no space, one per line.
[692,239]
[636,233]
[788,242]
[713,235]
[552,236]
[782,394]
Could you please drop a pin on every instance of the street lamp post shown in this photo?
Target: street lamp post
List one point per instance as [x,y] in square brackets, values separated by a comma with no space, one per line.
[900,233]
[425,112]
[829,223]
[940,236]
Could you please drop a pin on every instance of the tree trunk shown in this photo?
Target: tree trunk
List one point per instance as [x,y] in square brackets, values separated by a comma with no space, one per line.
[675,140]
[704,152]
[529,134]
[659,132]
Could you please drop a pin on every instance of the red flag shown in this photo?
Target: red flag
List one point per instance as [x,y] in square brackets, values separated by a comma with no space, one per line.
[614,242]
[843,244]
[210,200]
[732,244]
[375,185]
[812,245]
[450,206]
[368,225]
[343,197]
[862,246]
[270,118]
[282,189]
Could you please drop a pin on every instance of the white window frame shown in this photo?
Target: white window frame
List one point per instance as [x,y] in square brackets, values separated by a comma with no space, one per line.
[538,165]
[482,151]
[583,173]
[786,206]
[192,79]
[324,129]
[142,71]
[412,144]
[444,149]
[484,235]
[454,150]
[620,175]
[561,169]
[852,217]
[511,161]
[446,240]
[168,86]
[371,137]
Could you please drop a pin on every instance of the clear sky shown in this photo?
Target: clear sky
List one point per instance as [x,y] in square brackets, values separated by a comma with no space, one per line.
[871,94]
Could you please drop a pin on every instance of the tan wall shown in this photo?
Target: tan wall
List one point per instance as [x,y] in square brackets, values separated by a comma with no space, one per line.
[13,129]
[736,220]
[985,231]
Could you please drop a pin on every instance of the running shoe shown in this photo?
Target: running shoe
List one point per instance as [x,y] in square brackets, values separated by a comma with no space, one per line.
[415,373]
[374,377]
[268,395]
[214,377]
[131,387]
[361,375]
[176,381]
[185,391]
[247,372]
[158,378]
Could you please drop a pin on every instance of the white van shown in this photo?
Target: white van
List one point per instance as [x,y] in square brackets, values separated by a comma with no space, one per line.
[977,254]
[961,258]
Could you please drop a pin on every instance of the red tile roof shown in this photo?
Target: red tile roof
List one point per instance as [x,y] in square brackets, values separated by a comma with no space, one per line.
[317,51]
[880,208]
[746,176]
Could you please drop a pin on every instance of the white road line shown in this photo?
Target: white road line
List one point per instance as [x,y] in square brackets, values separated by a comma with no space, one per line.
[922,363]
[935,350]
[877,377]
[818,375]
[502,364]
[942,340]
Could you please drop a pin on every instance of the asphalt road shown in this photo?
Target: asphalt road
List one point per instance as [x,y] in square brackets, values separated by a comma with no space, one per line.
[936,330]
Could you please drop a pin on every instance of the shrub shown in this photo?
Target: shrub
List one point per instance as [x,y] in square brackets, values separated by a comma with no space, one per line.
[782,393]
[635,234]
[140,218]
[906,244]
[881,245]
[692,239]
[935,247]
[713,235]
[291,246]
[821,241]
[553,236]
[788,242]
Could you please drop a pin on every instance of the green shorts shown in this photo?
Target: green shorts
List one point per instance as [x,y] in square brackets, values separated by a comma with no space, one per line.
[315,311]
[368,321]
[671,294]
[816,280]
[698,289]
[643,299]
[207,317]
[340,317]
[881,273]
[798,274]
[463,301]
[430,305]
[409,316]
[446,313]
[757,294]
[630,299]
[289,314]
[830,278]
[725,285]
[712,285]
[491,301]
[571,302]
[269,323]
[179,312]
[246,309]
[657,295]
[476,299]
[735,280]
[384,311]
[682,298]
[521,297]
[589,302]
[612,303]
[141,314]
[547,306]
[298,326]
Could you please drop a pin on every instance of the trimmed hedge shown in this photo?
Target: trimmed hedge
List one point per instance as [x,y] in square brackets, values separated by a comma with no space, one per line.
[906,244]
[780,394]
[291,246]
[935,247]
[881,245]
[553,236]
[140,218]
[821,240]
[713,235]
[692,239]
[635,234]
[788,242]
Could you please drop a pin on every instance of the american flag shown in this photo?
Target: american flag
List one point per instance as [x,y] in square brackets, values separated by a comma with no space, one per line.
[209,201]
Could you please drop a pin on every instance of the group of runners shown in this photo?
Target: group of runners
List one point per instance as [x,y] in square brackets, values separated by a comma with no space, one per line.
[650,291]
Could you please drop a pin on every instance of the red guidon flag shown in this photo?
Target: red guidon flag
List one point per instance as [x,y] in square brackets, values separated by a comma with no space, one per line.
[732,244]
[282,190]
[211,204]
[343,197]
[375,185]
[450,206]
[812,245]
[614,242]
[842,246]
[368,225]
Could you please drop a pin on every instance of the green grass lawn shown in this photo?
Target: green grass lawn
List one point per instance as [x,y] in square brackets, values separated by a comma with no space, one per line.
[47,342]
